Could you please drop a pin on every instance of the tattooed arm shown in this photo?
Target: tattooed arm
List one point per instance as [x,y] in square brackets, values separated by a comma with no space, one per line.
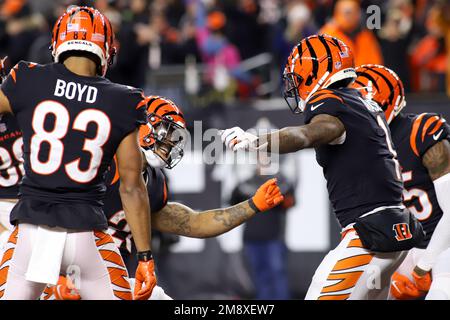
[437,161]
[322,130]
[182,220]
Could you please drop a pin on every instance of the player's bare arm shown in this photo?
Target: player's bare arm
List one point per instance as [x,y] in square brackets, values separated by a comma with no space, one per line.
[179,219]
[182,220]
[322,130]
[437,159]
[133,192]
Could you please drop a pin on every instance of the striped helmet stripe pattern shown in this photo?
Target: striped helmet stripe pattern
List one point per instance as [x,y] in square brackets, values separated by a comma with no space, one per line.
[316,63]
[329,56]
[389,91]
[84,29]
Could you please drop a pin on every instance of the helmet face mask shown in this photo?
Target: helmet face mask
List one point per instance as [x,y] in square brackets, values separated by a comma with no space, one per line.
[291,95]
[166,139]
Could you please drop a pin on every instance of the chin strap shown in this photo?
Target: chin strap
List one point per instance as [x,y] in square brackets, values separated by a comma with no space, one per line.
[153,160]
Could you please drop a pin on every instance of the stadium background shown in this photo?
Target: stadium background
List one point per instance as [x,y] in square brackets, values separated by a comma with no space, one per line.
[233,79]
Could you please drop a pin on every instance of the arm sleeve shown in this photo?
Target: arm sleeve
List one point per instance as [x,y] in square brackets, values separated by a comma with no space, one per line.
[427,130]
[440,240]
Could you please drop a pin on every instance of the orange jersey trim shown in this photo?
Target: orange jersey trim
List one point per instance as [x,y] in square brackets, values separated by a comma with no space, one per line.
[116,173]
[414,131]
[325,96]
[437,127]
[428,124]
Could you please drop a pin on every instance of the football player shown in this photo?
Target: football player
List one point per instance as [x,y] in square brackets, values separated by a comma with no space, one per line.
[73,121]
[11,168]
[354,147]
[162,141]
[423,148]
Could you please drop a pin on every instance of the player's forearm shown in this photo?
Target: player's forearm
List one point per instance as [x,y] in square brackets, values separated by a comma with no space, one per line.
[215,222]
[179,219]
[136,206]
[286,140]
[322,130]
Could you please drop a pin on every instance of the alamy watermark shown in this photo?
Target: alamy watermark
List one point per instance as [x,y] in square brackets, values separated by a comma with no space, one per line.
[213,150]
[373,20]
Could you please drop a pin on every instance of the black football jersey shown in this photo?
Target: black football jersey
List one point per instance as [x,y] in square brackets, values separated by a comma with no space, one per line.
[11,161]
[413,135]
[362,173]
[118,226]
[71,126]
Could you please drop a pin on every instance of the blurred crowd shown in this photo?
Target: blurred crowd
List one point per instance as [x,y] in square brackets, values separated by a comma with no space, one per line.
[410,36]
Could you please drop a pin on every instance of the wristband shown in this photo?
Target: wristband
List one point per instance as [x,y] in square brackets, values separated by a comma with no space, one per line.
[252,205]
[144,256]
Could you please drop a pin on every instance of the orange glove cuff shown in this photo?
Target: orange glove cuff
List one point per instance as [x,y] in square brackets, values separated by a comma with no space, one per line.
[423,283]
[252,205]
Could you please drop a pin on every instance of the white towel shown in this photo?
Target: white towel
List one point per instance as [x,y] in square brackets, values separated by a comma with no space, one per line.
[48,249]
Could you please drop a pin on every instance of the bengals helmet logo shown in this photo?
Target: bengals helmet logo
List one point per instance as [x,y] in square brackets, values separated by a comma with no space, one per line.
[402,231]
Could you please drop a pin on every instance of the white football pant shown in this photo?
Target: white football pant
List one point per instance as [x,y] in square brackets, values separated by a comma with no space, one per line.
[90,257]
[351,272]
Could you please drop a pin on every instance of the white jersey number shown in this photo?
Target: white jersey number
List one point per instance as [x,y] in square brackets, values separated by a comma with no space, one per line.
[421,195]
[372,106]
[390,145]
[6,164]
[50,140]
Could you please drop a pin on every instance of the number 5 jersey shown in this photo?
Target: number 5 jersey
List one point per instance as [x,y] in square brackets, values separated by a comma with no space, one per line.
[413,136]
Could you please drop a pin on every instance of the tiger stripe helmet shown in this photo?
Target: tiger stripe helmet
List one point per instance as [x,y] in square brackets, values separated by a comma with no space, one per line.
[165,130]
[383,86]
[84,29]
[317,62]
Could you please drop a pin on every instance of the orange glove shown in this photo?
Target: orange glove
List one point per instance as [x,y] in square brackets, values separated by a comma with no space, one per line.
[145,280]
[404,289]
[267,196]
[423,283]
[65,290]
